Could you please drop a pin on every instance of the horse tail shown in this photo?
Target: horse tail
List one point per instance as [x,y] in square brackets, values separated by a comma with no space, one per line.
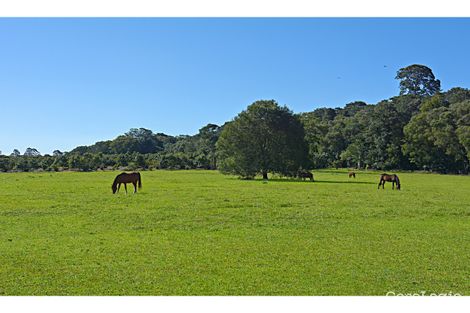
[140,180]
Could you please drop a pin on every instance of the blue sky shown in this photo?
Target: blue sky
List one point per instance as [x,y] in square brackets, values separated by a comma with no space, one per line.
[69,82]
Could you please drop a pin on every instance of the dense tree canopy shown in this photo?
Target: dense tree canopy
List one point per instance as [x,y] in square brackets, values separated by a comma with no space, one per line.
[418,80]
[264,138]
[437,137]
[421,129]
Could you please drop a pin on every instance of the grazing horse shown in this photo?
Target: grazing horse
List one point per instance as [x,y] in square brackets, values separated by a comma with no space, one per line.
[305,174]
[390,178]
[125,178]
[352,174]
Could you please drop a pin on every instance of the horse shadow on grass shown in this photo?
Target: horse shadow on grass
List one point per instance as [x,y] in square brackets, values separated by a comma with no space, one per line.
[284,180]
[345,172]
[344,182]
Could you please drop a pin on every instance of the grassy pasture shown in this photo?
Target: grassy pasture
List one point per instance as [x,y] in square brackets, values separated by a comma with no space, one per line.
[202,233]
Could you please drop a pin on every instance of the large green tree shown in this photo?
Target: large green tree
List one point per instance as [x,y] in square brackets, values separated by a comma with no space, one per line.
[419,80]
[264,138]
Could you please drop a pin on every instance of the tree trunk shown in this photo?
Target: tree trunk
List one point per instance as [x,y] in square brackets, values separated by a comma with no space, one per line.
[265,175]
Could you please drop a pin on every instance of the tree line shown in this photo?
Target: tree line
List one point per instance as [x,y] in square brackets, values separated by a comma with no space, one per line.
[422,128]
[137,149]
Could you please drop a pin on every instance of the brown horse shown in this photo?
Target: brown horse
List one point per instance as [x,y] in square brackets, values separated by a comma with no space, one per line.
[125,178]
[390,178]
[352,174]
[305,174]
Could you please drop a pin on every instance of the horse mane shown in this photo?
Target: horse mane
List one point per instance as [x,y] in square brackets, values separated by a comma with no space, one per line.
[115,180]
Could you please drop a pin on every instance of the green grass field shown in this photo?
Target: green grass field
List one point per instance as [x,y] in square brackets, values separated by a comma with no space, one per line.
[202,233]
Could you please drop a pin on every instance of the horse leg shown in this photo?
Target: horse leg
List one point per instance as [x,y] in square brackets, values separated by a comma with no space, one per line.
[380,183]
[135,186]
[119,187]
[125,187]
[393,184]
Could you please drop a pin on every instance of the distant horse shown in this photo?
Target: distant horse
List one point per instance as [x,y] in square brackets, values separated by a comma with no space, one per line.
[390,178]
[352,174]
[305,174]
[125,178]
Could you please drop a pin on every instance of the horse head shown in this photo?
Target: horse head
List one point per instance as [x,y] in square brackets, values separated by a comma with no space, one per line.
[397,180]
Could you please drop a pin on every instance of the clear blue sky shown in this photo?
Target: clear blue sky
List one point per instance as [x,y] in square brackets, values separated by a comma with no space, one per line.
[70,82]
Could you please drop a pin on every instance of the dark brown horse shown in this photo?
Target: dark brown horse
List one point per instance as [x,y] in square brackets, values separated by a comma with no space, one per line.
[125,178]
[390,178]
[352,174]
[305,174]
